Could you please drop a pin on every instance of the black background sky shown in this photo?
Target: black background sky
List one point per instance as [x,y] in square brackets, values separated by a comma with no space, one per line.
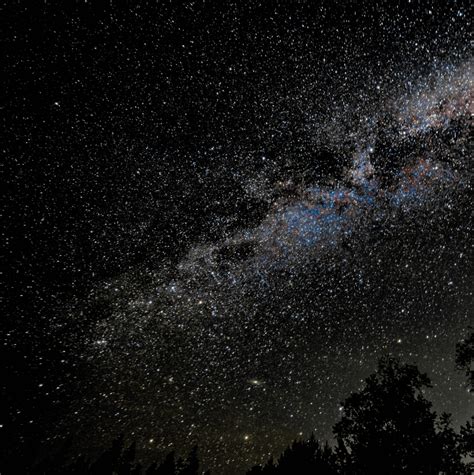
[135,139]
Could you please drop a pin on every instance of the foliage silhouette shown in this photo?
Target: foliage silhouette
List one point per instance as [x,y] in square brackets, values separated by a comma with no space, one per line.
[389,426]
[386,428]
[465,357]
[305,457]
[119,459]
[467,443]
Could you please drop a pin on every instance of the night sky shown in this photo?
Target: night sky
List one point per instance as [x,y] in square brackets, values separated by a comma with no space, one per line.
[219,216]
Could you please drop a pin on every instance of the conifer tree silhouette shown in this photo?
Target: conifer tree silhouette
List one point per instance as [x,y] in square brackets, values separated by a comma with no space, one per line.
[191,466]
[305,457]
[108,462]
[450,447]
[465,357]
[466,438]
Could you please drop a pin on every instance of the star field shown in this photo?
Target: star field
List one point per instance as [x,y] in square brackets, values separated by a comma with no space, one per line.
[224,215]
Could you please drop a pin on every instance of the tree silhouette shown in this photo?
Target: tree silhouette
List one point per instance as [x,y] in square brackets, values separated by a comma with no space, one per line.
[465,357]
[119,459]
[450,447]
[305,457]
[168,466]
[191,466]
[267,469]
[386,428]
[467,443]
[389,427]
[108,461]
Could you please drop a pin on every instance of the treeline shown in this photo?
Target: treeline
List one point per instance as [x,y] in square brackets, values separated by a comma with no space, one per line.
[119,459]
[387,428]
